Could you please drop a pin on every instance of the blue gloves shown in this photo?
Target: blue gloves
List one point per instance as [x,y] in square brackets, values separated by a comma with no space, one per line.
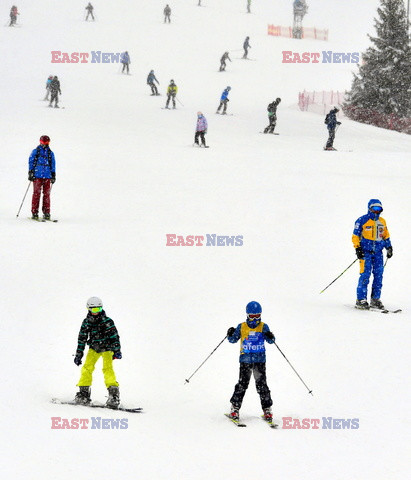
[117,356]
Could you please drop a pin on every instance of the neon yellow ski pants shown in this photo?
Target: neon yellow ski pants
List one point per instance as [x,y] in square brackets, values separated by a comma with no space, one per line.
[86,378]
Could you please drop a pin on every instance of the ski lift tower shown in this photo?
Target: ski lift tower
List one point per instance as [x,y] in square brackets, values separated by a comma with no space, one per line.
[300,10]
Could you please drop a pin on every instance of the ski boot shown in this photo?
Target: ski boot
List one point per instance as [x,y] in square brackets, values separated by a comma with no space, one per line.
[113,400]
[376,303]
[234,413]
[46,216]
[83,396]
[35,216]
[268,415]
[362,305]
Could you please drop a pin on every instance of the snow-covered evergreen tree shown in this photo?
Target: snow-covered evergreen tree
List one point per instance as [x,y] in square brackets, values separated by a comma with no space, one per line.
[383,82]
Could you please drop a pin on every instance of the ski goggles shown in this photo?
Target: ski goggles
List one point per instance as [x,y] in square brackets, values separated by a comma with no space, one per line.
[95,309]
[255,316]
[376,209]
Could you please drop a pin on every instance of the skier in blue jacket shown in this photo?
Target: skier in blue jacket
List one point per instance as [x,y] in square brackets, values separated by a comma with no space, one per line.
[150,81]
[42,172]
[224,100]
[252,333]
[369,238]
[125,60]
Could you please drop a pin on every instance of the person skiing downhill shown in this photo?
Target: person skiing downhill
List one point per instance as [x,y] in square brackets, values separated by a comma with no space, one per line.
[42,172]
[55,91]
[223,101]
[89,9]
[223,60]
[252,333]
[331,122]
[369,238]
[48,82]
[246,46]
[171,94]
[13,16]
[167,14]
[99,332]
[248,6]
[125,60]
[272,115]
[150,81]
[201,129]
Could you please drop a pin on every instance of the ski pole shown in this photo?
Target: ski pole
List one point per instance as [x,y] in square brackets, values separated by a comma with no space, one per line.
[179,101]
[188,379]
[386,260]
[339,275]
[28,186]
[309,391]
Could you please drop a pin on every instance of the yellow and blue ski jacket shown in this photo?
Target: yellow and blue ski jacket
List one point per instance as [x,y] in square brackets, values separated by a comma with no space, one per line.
[252,349]
[371,232]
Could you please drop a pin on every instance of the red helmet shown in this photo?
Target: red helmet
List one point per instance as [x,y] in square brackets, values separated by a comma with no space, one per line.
[44,139]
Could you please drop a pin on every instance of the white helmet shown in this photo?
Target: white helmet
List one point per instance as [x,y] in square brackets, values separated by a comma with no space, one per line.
[94,302]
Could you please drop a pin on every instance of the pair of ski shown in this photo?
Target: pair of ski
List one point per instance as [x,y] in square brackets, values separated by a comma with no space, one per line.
[384,310]
[200,146]
[96,405]
[54,220]
[237,423]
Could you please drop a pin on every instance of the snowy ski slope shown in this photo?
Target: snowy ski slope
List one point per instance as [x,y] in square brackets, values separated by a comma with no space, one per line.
[127,176]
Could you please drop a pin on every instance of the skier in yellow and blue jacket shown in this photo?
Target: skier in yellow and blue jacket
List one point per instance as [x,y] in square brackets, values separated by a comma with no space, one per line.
[252,333]
[369,238]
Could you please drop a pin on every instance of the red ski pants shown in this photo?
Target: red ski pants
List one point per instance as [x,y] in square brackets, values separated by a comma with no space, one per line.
[38,185]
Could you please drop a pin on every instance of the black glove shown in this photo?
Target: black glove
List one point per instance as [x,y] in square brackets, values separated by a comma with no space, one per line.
[269,335]
[31,175]
[77,359]
[230,331]
[117,356]
[53,177]
[338,123]
[389,252]
[360,253]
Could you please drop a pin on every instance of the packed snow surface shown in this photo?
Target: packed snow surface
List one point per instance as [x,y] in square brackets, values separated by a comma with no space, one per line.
[127,175]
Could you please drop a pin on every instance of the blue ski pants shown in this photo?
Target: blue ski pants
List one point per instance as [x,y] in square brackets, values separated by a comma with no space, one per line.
[372,263]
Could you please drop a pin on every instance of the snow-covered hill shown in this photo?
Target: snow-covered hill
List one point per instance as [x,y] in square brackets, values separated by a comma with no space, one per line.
[127,176]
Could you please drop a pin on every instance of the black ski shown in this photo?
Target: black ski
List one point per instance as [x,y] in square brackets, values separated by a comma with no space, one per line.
[237,423]
[266,133]
[385,310]
[54,220]
[201,146]
[93,405]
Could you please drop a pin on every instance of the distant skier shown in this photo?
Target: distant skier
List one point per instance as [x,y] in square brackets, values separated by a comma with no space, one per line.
[125,60]
[171,93]
[55,91]
[150,81]
[48,82]
[300,8]
[99,332]
[272,115]
[369,238]
[223,101]
[252,333]
[167,14]
[89,9]
[199,3]
[246,46]
[201,129]
[331,122]
[223,60]
[248,6]
[42,172]
[13,16]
